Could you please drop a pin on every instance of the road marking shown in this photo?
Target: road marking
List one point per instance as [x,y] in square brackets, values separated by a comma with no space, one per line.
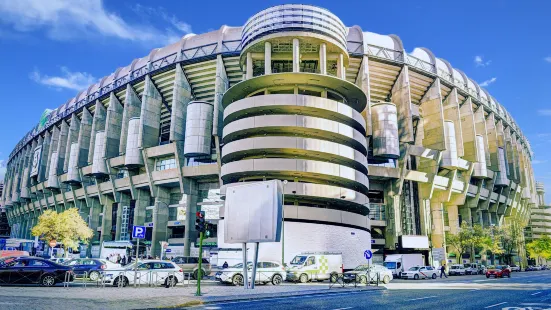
[476,289]
[495,305]
[343,308]
[421,298]
[212,308]
[536,293]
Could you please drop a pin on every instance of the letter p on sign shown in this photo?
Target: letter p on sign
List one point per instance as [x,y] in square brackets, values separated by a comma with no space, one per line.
[138,232]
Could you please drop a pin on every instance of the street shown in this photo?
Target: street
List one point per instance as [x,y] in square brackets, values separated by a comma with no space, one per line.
[526,290]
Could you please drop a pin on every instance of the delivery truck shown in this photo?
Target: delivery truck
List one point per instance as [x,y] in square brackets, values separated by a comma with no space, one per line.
[315,266]
[398,263]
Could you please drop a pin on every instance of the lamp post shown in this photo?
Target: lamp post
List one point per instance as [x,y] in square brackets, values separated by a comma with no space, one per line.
[283,225]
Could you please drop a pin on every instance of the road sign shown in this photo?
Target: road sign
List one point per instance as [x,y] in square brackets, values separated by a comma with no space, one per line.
[368,254]
[168,250]
[138,232]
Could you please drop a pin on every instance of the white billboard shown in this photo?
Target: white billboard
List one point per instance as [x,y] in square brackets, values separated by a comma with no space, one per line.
[415,242]
[36,161]
[253,212]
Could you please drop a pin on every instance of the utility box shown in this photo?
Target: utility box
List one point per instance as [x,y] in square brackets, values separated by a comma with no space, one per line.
[253,212]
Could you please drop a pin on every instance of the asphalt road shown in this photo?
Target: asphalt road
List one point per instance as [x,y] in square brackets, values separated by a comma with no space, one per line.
[526,290]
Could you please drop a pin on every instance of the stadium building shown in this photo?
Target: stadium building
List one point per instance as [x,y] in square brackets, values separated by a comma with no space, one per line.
[375,142]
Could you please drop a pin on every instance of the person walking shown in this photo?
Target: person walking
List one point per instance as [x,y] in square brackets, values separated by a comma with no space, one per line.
[123,260]
[443,271]
[225,265]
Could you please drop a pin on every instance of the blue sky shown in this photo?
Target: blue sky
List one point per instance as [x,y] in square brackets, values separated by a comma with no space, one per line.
[51,49]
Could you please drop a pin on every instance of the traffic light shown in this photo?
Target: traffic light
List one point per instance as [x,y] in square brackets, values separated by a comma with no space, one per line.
[200,221]
[208,229]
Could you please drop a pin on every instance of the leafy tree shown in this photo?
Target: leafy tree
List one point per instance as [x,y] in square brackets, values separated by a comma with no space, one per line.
[540,248]
[462,241]
[66,227]
[511,239]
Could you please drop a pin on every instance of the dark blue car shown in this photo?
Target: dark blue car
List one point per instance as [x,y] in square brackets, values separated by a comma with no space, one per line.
[87,267]
[33,270]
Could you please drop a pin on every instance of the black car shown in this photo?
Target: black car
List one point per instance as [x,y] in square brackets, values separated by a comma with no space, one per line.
[33,270]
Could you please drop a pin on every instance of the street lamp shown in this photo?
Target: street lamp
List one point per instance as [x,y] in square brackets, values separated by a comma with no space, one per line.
[283,226]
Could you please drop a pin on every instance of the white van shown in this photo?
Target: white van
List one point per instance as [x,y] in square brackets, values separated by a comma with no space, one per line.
[318,266]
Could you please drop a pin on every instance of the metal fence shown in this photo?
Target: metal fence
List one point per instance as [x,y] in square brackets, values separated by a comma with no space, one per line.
[355,280]
[124,278]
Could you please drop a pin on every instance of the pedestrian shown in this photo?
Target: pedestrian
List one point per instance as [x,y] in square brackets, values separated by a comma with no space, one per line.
[443,271]
[123,260]
[129,260]
[225,265]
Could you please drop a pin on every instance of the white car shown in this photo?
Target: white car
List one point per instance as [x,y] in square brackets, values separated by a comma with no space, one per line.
[361,273]
[420,272]
[266,272]
[158,272]
[457,270]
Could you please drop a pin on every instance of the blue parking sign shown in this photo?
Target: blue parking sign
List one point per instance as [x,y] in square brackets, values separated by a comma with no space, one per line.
[138,232]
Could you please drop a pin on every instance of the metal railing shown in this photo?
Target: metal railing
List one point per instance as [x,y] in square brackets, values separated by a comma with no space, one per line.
[355,280]
[377,211]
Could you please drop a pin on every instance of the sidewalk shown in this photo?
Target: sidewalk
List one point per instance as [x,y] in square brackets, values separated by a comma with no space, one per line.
[152,298]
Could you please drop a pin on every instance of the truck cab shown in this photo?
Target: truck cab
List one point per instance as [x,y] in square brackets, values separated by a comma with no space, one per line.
[398,263]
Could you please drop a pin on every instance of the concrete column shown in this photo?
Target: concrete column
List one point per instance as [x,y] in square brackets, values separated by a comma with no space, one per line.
[94,220]
[466,215]
[143,200]
[124,201]
[249,67]
[323,59]
[341,72]
[267,58]
[438,237]
[401,97]
[98,124]
[160,220]
[181,96]
[296,55]
[453,219]
[113,127]
[132,108]
[84,136]
[190,201]
[150,116]
[72,137]
[107,219]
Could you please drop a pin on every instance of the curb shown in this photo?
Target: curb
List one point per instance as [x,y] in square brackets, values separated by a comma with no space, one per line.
[237,298]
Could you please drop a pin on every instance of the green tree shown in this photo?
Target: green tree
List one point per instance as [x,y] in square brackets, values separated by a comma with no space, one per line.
[540,248]
[462,241]
[511,239]
[67,227]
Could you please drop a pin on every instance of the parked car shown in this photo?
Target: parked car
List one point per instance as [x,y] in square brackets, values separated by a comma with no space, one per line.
[25,270]
[267,272]
[474,268]
[457,270]
[537,268]
[157,272]
[515,268]
[420,272]
[499,271]
[529,268]
[90,267]
[544,267]
[361,273]
[191,265]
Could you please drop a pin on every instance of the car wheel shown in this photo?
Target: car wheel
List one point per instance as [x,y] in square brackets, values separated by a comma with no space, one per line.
[124,282]
[434,275]
[196,274]
[171,281]
[386,279]
[47,280]
[509,275]
[488,276]
[303,278]
[363,280]
[277,279]
[333,278]
[416,277]
[237,280]
[94,276]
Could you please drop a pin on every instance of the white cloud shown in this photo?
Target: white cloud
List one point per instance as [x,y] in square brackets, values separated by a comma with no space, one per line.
[548,59]
[537,162]
[68,19]
[544,112]
[479,61]
[488,82]
[70,80]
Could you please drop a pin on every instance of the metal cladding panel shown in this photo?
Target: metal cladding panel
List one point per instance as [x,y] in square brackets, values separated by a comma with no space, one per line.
[52,175]
[72,170]
[480,169]
[198,128]
[502,165]
[133,153]
[253,212]
[449,157]
[98,164]
[36,161]
[385,130]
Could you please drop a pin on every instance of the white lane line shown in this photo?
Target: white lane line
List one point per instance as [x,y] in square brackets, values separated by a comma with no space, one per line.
[212,308]
[495,305]
[536,293]
[476,289]
[421,298]
[343,308]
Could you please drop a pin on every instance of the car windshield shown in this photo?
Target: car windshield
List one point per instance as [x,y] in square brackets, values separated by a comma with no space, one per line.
[299,260]
[491,267]
[467,265]
[456,267]
[390,265]
[361,268]
[414,268]
[500,267]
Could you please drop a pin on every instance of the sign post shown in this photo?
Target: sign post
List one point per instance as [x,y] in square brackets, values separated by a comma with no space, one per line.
[138,232]
[199,270]
[368,255]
